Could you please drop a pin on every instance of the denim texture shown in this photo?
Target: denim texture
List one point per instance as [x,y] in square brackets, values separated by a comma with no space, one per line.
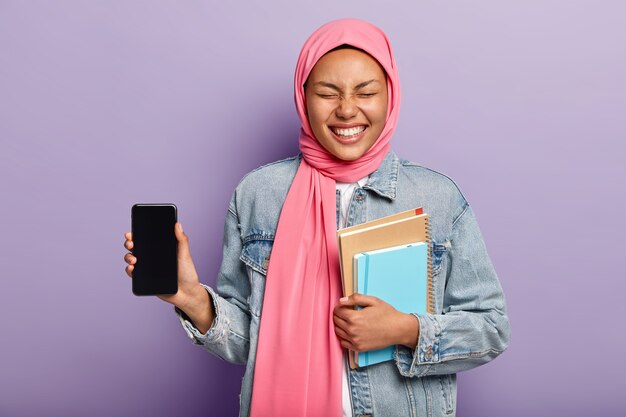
[470,326]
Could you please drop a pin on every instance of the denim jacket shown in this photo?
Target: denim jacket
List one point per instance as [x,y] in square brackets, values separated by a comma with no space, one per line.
[470,328]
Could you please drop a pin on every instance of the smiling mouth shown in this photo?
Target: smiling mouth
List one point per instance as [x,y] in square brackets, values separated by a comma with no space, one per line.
[346,134]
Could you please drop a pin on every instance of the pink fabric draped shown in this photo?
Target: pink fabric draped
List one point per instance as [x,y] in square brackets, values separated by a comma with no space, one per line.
[298,359]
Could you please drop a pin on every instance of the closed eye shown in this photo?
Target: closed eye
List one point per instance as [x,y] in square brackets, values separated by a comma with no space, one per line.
[326,95]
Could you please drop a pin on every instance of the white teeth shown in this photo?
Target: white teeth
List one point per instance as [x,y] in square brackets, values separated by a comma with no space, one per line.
[349,132]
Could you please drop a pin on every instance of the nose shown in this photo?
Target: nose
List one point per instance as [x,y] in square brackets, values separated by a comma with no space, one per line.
[346,109]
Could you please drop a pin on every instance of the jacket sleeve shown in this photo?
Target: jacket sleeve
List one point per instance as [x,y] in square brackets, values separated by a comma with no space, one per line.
[228,337]
[473,327]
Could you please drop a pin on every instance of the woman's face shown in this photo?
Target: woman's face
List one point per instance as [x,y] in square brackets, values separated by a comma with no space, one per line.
[346,101]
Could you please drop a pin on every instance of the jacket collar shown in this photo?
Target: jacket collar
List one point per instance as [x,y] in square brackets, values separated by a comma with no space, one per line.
[384,180]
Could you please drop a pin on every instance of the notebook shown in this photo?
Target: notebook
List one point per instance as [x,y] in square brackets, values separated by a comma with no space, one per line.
[397,275]
[401,228]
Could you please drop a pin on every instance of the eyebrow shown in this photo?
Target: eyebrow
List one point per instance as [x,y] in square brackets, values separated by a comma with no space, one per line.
[334,87]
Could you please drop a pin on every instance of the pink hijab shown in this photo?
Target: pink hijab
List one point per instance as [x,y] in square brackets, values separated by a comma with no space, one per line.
[298,360]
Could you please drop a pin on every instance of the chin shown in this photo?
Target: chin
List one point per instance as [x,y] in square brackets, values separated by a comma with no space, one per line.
[348,156]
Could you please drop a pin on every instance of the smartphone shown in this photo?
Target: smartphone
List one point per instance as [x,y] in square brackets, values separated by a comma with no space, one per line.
[155,247]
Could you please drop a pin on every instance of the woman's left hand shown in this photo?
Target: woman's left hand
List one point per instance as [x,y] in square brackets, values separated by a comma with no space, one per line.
[375,326]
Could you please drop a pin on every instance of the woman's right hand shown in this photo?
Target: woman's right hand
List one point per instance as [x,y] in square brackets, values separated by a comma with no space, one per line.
[192,298]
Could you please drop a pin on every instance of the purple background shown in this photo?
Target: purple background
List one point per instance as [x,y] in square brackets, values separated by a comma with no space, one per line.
[108,103]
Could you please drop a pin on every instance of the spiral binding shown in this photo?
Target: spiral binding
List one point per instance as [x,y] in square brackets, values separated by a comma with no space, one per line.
[430,290]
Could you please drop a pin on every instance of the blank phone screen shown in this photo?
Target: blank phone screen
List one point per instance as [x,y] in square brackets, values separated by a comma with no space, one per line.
[154,246]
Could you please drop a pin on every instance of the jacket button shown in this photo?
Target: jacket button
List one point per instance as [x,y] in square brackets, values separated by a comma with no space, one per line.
[429,353]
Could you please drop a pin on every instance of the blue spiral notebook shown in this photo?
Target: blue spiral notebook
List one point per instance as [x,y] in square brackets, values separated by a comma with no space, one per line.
[397,275]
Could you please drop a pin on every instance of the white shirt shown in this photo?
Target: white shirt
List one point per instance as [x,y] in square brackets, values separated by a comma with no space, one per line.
[346,190]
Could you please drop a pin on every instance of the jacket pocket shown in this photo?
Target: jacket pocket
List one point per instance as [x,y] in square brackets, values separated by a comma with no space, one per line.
[256,251]
[448,390]
[440,393]
[255,254]
[438,254]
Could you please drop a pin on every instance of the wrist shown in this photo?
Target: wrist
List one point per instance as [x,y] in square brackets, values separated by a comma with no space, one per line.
[409,331]
[197,300]
[199,307]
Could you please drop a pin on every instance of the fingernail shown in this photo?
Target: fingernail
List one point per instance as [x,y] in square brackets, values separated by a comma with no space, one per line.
[343,300]
[180,227]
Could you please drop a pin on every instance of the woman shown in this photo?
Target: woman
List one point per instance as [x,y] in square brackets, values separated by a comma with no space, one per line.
[278,307]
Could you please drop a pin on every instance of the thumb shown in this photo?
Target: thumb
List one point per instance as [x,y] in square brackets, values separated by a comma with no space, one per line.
[183,241]
[357,299]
